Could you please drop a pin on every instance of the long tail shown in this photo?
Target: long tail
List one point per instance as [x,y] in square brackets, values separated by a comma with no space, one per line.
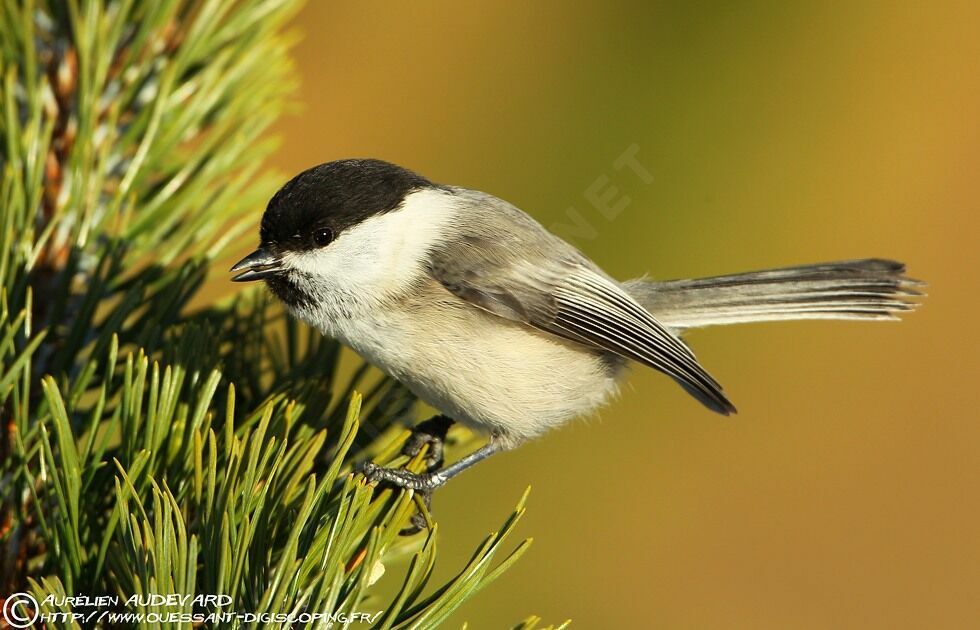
[853,289]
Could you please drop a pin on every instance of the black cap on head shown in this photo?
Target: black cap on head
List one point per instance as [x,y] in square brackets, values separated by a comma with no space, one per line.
[334,196]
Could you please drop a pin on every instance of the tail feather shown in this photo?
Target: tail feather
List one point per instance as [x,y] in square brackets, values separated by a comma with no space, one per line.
[854,289]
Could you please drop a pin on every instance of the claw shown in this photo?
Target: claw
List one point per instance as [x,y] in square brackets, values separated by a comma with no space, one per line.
[418,521]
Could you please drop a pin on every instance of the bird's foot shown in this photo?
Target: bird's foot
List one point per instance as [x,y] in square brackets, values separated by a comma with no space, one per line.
[431,433]
[422,483]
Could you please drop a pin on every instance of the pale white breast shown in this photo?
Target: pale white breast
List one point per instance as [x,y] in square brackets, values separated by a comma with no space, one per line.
[493,374]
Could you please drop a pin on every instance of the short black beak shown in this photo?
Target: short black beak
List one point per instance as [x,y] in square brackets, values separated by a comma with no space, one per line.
[256,266]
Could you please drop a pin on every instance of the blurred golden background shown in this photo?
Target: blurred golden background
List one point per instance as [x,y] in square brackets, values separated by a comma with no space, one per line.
[846,493]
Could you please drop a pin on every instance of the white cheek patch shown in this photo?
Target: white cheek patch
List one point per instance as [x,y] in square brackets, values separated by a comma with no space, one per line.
[384,254]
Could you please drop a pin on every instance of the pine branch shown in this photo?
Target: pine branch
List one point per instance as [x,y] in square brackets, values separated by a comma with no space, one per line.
[145,447]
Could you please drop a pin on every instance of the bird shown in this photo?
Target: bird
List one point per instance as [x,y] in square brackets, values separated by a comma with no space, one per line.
[500,324]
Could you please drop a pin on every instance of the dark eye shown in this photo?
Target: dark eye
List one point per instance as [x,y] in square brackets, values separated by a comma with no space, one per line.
[322,236]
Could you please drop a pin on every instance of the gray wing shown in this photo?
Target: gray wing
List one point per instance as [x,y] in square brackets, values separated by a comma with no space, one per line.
[503,261]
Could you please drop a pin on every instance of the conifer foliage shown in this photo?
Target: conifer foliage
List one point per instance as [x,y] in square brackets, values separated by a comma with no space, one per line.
[148,444]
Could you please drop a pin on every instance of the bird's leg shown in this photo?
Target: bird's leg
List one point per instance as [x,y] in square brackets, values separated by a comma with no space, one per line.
[431,432]
[428,481]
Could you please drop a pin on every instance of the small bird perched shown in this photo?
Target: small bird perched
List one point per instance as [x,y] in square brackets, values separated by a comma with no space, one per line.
[495,321]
